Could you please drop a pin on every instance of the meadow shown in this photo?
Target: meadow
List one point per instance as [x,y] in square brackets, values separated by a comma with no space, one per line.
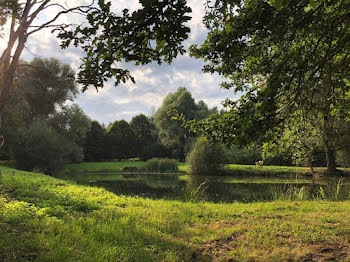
[230,169]
[47,219]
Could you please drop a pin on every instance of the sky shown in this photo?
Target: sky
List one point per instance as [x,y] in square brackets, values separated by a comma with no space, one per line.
[153,82]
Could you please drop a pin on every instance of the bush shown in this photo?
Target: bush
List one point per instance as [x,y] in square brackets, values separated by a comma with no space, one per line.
[206,158]
[130,169]
[161,165]
[241,156]
[279,159]
[42,148]
[153,151]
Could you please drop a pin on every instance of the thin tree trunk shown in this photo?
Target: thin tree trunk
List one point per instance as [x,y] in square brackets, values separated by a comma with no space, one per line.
[330,159]
[328,138]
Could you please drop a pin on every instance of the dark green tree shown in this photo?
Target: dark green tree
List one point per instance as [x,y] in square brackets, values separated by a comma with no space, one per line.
[94,147]
[289,58]
[43,148]
[121,141]
[15,123]
[45,85]
[144,129]
[206,158]
[42,86]
[171,134]
[72,123]
[146,133]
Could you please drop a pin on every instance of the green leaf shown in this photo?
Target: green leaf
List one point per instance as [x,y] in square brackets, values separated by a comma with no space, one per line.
[228,28]
[276,3]
[313,3]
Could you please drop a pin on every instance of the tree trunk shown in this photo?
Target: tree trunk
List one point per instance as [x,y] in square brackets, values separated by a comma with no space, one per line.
[330,159]
[328,141]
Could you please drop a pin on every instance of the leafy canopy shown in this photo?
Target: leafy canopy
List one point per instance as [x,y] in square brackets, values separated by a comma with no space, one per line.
[284,56]
[153,33]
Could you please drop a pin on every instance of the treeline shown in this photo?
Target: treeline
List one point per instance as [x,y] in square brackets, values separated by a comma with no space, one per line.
[43,132]
[147,137]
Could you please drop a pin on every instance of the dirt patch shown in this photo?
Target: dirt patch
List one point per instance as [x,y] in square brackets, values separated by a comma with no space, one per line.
[273,217]
[221,224]
[217,249]
[328,252]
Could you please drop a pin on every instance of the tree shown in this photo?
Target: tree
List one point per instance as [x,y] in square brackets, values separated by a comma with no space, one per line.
[289,58]
[153,33]
[242,156]
[43,148]
[41,88]
[171,134]
[45,142]
[15,123]
[120,140]
[206,158]
[95,142]
[45,85]
[72,123]
[144,130]
[147,138]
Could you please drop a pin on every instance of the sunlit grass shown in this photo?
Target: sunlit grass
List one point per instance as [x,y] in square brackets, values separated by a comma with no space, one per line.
[231,169]
[102,166]
[234,169]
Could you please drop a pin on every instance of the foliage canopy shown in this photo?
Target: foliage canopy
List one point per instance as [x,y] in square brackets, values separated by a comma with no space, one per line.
[288,58]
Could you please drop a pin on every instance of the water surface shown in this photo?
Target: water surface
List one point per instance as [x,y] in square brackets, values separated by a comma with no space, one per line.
[226,189]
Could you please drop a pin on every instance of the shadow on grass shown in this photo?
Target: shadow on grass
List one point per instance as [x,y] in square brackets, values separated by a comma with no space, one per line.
[52,222]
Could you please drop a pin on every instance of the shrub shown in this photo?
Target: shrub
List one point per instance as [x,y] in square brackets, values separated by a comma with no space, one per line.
[45,149]
[161,165]
[130,169]
[206,158]
[242,156]
[152,151]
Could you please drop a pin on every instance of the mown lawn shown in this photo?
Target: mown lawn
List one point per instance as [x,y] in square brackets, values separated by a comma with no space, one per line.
[253,170]
[47,219]
[231,169]
[101,166]
[114,166]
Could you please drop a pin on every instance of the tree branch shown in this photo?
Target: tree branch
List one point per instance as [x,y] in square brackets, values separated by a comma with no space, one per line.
[83,9]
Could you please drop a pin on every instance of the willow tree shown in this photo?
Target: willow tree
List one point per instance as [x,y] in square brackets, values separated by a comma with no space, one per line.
[288,58]
[152,33]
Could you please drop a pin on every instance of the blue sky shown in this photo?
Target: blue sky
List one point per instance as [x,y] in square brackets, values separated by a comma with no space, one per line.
[153,82]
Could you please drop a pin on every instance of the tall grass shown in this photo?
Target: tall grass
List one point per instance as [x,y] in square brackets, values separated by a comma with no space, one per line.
[161,165]
[290,193]
[332,192]
[195,195]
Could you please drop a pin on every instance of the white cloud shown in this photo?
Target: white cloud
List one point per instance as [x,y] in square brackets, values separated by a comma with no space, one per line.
[150,99]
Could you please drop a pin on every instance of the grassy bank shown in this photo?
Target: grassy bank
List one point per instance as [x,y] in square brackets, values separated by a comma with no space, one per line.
[47,219]
[253,170]
[107,167]
[232,169]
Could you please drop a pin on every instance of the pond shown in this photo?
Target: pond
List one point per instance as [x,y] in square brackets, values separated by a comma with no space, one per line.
[226,189]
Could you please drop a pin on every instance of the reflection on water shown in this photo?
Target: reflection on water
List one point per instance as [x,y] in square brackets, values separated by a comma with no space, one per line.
[218,189]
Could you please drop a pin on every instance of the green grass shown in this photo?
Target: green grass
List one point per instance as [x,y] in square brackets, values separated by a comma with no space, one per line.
[243,170]
[108,167]
[101,166]
[47,219]
[231,169]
